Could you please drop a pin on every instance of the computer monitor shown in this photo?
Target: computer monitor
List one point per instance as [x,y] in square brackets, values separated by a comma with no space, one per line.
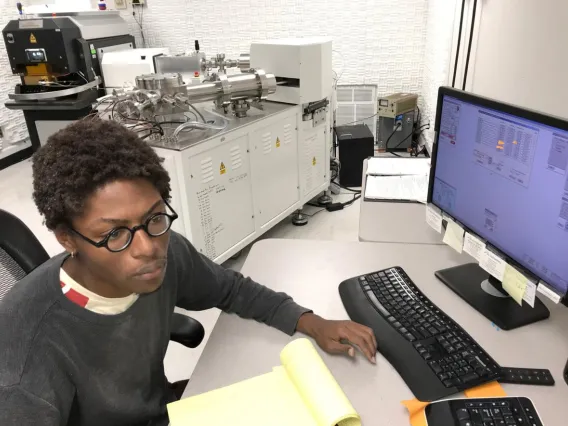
[502,172]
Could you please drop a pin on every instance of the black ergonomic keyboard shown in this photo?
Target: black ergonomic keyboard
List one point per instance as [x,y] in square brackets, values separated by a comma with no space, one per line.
[433,354]
[506,411]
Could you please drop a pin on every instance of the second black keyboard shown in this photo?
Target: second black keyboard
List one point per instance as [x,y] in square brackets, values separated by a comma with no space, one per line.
[433,354]
[504,411]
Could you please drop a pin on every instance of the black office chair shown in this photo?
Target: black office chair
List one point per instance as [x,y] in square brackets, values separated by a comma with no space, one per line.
[21,252]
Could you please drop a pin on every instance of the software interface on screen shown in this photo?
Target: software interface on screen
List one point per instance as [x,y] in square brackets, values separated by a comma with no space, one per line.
[506,178]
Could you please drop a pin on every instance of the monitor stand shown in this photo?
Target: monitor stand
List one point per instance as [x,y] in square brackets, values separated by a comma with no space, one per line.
[486,294]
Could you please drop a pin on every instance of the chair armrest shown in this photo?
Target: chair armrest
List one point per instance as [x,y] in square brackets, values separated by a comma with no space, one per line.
[186,330]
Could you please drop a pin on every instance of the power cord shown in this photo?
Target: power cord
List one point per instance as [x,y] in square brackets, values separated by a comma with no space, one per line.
[333,207]
[362,119]
[140,23]
[398,125]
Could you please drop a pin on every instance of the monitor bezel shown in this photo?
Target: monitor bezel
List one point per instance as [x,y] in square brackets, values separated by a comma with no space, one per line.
[506,108]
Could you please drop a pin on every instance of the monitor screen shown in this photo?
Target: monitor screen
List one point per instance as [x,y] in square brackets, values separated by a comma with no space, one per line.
[505,178]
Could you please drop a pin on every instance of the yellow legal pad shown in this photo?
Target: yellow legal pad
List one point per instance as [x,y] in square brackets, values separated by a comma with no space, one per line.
[302,391]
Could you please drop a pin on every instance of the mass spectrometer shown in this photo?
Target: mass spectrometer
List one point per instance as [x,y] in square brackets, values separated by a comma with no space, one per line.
[58,61]
[239,162]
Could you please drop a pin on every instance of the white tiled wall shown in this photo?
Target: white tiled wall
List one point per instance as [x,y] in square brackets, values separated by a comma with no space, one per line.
[400,45]
[374,41]
[437,56]
[11,122]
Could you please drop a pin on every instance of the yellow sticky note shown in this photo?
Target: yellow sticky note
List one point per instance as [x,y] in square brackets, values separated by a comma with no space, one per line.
[454,235]
[514,283]
[416,411]
[491,389]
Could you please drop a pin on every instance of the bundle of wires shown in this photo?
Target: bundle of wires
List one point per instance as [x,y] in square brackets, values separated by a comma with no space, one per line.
[138,125]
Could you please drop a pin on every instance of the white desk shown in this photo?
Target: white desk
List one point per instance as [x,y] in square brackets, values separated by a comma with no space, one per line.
[311,272]
[391,222]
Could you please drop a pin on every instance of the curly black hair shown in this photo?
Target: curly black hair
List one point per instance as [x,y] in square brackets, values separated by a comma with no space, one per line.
[84,156]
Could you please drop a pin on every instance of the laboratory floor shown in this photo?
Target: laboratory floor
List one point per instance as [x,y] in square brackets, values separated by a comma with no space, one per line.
[16,197]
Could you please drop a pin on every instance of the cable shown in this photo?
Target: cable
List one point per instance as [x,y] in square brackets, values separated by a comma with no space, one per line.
[342,65]
[313,214]
[196,111]
[418,132]
[398,125]
[356,191]
[459,45]
[469,44]
[355,198]
[140,25]
[414,133]
[362,119]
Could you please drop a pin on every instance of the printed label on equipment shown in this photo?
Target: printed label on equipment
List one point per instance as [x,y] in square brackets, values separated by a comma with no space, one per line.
[545,290]
[30,23]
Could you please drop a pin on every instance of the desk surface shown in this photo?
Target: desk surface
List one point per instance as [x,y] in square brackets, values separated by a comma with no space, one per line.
[392,222]
[310,271]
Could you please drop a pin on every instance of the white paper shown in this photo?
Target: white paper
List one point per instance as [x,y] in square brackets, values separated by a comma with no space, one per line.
[493,264]
[434,218]
[473,246]
[530,293]
[398,166]
[454,236]
[545,290]
[414,188]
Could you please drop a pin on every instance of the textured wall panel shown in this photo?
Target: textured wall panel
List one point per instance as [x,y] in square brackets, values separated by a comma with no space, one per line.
[11,122]
[374,41]
[437,56]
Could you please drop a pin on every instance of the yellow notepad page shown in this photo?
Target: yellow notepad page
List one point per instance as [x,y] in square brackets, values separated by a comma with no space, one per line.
[267,399]
[301,392]
[317,386]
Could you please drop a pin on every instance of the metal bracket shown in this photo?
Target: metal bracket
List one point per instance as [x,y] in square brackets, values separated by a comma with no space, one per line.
[55,94]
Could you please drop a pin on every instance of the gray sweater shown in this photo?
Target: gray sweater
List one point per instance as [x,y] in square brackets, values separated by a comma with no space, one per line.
[61,364]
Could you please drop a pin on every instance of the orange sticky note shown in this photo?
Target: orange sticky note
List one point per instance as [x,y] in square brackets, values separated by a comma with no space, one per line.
[486,390]
[515,142]
[416,411]
[500,143]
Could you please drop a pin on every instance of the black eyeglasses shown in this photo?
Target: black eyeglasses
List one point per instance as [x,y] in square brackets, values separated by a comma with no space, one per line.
[118,239]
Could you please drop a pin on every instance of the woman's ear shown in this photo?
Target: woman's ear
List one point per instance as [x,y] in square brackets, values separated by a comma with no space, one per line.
[65,239]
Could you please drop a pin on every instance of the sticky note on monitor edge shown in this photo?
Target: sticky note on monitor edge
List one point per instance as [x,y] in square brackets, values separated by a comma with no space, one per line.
[515,283]
[454,235]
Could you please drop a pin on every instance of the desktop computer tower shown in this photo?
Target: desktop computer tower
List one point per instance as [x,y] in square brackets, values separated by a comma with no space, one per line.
[356,143]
